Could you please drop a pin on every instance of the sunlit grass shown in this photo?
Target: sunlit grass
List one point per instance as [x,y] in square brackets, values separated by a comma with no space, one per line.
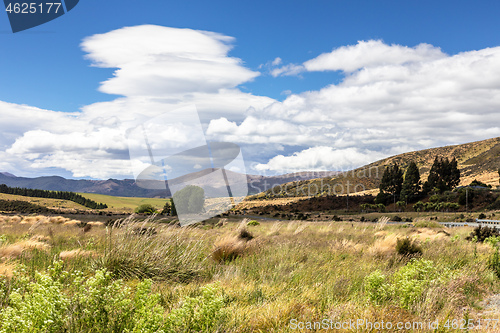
[288,270]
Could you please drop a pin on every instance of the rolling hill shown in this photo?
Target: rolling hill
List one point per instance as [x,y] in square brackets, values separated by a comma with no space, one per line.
[476,160]
[129,188]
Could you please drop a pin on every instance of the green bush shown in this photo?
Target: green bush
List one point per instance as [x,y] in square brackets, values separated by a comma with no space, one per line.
[198,314]
[253,223]
[408,285]
[411,281]
[147,209]
[190,199]
[376,288]
[101,304]
[480,234]
[39,306]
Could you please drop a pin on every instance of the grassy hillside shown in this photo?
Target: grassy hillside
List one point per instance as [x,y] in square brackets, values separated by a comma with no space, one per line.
[125,203]
[476,160]
[49,203]
[115,204]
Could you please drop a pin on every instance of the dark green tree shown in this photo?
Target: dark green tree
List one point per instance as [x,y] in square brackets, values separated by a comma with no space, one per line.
[443,176]
[392,181]
[169,208]
[147,209]
[190,199]
[410,190]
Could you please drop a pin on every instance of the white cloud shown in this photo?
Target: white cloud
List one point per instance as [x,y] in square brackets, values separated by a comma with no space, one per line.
[159,69]
[396,100]
[320,158]
[277,61]
[287,70]
[393,99]
[372,53]
[159,61]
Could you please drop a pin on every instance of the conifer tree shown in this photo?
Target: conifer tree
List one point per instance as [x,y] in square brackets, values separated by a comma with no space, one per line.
[411,185]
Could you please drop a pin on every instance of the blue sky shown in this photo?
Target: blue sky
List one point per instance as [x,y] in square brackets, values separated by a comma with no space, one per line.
[47,68]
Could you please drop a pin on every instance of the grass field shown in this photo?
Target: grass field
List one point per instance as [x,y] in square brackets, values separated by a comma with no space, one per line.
[49,203]
[125,203]
[262,277]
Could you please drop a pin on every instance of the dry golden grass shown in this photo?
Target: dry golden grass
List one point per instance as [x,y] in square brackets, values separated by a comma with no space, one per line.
[96,224]
[385,246]
[230,247]
[7,269]
[431,234]
[77,253]
[15,250]
[58,219]
[72,222]
[346,245]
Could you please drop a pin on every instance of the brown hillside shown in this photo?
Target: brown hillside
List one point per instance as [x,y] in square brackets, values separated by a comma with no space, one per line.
[476,160]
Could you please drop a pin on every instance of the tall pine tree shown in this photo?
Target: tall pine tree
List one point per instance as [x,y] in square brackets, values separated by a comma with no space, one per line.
[410,190]
[443,176]
[392,181]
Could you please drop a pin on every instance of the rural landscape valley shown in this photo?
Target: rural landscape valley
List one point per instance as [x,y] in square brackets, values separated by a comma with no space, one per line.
[273,263]
[249,166]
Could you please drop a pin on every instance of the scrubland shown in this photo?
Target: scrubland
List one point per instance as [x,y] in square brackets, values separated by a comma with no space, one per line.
[62,275]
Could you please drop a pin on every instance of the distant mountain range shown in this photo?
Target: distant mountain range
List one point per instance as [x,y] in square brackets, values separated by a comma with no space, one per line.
[129,187]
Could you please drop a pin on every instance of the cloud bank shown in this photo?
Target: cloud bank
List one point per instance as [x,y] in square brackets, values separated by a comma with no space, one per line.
[392,99]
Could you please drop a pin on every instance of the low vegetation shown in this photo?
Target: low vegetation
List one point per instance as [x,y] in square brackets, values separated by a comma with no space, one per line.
[145,276]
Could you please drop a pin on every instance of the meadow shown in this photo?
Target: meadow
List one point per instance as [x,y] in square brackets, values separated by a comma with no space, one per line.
[240,275]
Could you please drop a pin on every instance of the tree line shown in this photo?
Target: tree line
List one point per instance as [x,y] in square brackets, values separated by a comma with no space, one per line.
[71,196]
[444,175]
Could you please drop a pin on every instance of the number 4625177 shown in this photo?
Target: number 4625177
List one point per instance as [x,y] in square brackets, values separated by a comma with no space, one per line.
[33,8]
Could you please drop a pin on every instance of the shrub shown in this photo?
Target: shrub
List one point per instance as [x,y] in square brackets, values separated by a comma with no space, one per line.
[419,206]
[253,223]
[494,262]
[101,304]
[199,314]
[408,247]
[147,209]
[376,288]
[244,234]
[397,219]
[481,216]
[480,234]
[410,282]
[38,307]
[189,200]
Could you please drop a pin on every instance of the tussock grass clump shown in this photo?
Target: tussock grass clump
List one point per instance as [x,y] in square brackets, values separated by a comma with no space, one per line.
[232,247]
[382,221]
[385,246]
[408,247]
[170,255]
[58,219]
[16,250]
